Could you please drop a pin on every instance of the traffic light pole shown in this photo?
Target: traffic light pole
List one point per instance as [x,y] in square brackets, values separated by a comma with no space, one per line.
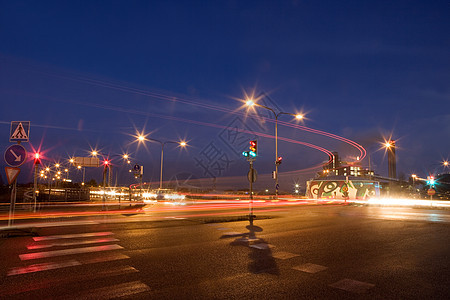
[276,156]
[251,177]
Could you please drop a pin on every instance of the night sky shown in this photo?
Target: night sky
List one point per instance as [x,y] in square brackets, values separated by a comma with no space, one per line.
[93,74]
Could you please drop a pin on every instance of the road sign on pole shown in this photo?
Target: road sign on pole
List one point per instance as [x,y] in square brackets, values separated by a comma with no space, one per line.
[252,175]
[11,174]
[15,155]
[20,131]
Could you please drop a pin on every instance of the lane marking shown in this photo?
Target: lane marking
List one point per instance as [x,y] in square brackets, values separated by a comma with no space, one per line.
[352,286]
[80,242]
[262,246]
[58,265]
[310,268]
[115,291]
[284,255]
[70,236]
[37,255]
[248,240]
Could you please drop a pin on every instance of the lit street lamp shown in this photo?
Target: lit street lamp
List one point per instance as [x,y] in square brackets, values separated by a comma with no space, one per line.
[251,103]
[142,138]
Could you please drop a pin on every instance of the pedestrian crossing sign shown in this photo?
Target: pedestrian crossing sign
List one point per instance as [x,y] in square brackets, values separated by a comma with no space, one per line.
[20,131]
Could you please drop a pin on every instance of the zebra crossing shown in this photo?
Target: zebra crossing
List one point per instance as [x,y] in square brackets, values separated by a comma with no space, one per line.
[68,254]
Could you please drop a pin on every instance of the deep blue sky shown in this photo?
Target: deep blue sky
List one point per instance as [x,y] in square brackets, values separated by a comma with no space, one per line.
[86,74]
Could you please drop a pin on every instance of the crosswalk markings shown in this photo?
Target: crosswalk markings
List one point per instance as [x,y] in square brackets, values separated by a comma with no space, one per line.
[37,255]
[352,286]
[115,291]
[223,228]
[284,255]
[262,246]
[58,281]
[64,264]
[70,236]
[74,243]
[43,267]
[310,268]
[125,289]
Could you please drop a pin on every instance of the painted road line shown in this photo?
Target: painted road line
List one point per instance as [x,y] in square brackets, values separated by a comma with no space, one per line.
[58,281]
[352,286]
[52,224]
[262,246]
[73,243]
[37,255]
[104,258]
[70,263]
[43,267]
[70,236]
[125,289]
[284,255]
[310,268]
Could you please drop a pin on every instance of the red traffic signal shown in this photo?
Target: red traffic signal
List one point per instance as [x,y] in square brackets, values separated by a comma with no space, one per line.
[253,148]
[279,160]
[37,158]
[106,162]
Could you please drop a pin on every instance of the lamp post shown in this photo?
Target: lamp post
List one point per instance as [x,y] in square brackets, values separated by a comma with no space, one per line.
[251,103]
[107,165]
[142,138]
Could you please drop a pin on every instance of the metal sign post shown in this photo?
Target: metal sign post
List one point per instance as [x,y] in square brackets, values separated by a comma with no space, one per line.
[13,203]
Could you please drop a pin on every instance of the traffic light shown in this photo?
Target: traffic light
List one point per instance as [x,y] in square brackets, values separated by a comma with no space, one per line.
[246,153]
[279,160]
[431,181]
[253,148]
[106,162]
[37,158]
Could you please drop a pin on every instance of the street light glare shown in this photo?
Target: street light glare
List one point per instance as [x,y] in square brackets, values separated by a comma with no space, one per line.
[94,153]
[182,144]
[250,102]
[299,116]
[141,138]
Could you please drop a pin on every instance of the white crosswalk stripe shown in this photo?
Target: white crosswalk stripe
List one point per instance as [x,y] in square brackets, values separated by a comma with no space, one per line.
[103,250]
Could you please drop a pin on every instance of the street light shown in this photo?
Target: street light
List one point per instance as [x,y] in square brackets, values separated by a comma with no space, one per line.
[162,143]
[251,103]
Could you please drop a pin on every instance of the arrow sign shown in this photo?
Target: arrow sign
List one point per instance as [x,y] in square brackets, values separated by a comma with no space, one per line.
[15,155]
[18,158]
[11,174]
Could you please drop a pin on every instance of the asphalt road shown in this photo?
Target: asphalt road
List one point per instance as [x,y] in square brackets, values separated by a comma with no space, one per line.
[290,252]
